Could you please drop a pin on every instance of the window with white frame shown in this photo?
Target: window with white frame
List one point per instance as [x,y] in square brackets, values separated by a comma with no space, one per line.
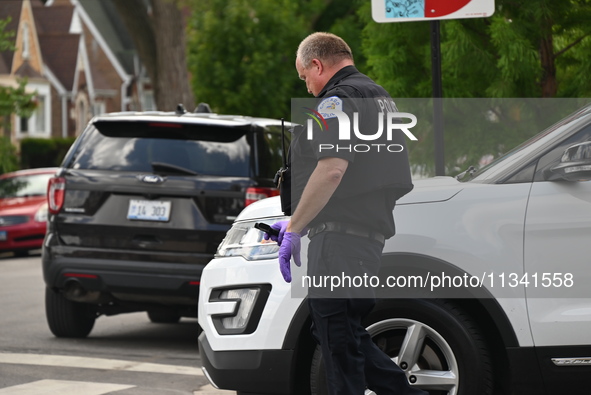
[82,118]
[39,123]
[39,114]
[83,112]
[98,108]
[148,103]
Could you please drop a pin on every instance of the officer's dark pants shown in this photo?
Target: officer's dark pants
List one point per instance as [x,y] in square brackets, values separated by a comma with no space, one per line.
[353,362]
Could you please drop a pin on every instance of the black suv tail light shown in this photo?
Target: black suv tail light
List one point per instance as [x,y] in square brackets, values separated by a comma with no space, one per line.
[56,189]
[257,193]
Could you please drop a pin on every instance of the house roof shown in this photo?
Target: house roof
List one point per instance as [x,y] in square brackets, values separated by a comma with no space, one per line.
[59,48]
[105,17]
[54,19]
[60,54]
[10,9]
[26,70]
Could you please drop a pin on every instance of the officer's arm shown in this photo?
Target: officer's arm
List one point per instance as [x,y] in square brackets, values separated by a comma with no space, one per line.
[324,180]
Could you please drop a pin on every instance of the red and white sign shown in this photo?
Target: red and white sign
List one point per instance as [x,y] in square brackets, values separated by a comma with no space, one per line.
[384,11]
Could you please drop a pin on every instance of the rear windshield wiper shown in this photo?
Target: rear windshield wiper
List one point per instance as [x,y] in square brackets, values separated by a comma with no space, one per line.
[161,167]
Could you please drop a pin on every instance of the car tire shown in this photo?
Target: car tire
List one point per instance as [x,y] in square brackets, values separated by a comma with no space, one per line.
[67,318]
[163,316]
[453,350]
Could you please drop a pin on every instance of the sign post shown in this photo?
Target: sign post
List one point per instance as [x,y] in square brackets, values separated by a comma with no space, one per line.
[389,11]
[437,88]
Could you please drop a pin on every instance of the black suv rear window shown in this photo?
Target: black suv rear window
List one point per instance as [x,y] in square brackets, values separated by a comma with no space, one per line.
[137,146]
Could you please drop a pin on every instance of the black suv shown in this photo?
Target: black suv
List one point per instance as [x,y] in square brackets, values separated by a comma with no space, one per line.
[139,206]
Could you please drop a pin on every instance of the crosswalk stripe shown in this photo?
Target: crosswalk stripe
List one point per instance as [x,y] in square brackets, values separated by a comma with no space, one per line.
[96,363]
[52,387]
[209,390]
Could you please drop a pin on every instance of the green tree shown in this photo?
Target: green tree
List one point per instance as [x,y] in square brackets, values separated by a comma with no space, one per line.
[8,156]
[242,53]
[533,49]
[526,49]
[13,100]
[241,56]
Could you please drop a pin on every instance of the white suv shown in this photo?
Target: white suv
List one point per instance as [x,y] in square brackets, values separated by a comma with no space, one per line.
[483,290]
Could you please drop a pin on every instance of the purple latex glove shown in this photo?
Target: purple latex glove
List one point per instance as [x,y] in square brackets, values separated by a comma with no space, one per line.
[290,246]
[280,226]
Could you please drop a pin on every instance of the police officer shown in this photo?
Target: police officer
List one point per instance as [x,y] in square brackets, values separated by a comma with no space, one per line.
[343,190]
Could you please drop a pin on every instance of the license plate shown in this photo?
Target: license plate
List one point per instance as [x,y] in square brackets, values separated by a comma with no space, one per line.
[3,235]
[149,210]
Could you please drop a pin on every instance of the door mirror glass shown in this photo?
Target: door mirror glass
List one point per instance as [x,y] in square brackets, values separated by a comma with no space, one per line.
[574,165]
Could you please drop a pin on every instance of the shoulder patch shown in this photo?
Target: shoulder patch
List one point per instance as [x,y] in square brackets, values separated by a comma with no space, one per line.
[328,106]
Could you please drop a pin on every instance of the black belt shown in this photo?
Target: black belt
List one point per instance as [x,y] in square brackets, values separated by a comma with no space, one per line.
[349,229]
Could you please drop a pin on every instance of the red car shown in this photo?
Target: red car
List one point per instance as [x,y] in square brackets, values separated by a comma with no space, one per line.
[23,209]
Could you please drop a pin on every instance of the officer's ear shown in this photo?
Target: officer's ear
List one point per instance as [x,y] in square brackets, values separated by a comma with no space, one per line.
[317,66]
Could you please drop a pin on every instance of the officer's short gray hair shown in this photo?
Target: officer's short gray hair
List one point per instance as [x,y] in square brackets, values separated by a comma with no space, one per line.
[325,47]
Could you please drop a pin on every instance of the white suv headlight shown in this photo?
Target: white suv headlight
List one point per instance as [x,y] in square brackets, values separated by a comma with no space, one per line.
[244,240]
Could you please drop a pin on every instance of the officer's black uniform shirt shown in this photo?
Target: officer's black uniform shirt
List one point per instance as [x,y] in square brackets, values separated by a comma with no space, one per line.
[373,180]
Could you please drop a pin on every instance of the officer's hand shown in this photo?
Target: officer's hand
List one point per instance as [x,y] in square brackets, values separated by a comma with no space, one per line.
[279,226]
[290,246]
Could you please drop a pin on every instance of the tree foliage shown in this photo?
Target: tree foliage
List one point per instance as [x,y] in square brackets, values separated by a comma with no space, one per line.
[526,49]
[8,156]
[13,100]
[242,53]
[242,60]
[534,49]
[40,152]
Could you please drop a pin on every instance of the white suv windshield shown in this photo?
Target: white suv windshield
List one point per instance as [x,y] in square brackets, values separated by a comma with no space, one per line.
[533,144]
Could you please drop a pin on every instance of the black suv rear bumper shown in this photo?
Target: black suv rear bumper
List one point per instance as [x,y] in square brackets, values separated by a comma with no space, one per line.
[147,282]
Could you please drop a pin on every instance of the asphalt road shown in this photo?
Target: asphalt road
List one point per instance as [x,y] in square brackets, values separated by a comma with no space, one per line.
[124,354]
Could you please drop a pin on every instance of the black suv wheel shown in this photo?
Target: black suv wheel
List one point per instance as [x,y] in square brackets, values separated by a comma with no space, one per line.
[67,318]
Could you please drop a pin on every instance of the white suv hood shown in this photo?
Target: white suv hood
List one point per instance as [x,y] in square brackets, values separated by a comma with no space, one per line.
[269,207]
[429,190]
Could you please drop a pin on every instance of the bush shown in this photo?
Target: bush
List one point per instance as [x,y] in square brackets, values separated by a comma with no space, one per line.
[44,152]
[8,156]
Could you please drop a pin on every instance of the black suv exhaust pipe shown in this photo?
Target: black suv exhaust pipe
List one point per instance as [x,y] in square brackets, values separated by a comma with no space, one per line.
[75,292]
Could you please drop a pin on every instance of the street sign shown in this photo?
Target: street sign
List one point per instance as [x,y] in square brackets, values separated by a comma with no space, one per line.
[384,11]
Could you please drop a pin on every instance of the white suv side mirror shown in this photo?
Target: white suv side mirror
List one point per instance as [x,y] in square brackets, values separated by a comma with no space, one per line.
[574,165]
